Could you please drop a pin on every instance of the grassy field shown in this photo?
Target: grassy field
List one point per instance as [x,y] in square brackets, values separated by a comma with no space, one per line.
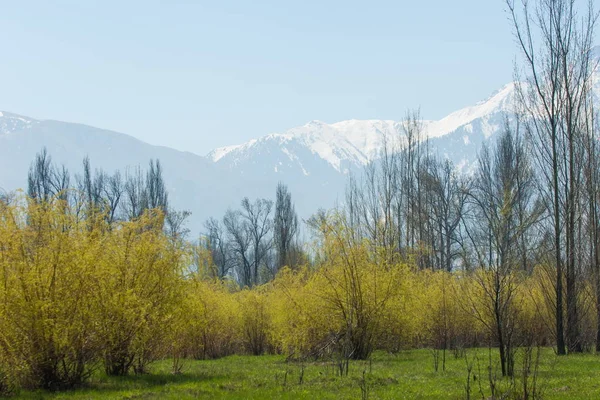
[407,375]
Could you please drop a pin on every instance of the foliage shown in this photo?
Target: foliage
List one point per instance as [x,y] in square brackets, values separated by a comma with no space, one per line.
[79,294]
[209,320]
[75,294]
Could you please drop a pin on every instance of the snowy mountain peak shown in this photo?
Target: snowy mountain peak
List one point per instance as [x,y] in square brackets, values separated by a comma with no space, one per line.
[10,122]
[356,142]
[502,101]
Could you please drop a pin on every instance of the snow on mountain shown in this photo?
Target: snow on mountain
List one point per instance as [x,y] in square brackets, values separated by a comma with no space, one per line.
[195,183]
[222,151]
[313,160]
[351,141]
[503,101]
[348,145]
[12,122]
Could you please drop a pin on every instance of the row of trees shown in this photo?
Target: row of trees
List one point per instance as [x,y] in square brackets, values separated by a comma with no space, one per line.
[556,94]
[533,197]
[117,197]
[77,294]
[412,208]
[253,243]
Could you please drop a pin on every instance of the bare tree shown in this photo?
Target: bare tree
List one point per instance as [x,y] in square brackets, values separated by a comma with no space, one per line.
[259,225]
[145,192]
[175,224]
[502,212]
[113,193]
[592,185]
[243,243]
[556,47]
[91,187]
[156,190]
[239,244]
[285,227]
[412,158]
[371,204]
[97,194]
[219,248]
[45,180]
[135,194]
[447,194]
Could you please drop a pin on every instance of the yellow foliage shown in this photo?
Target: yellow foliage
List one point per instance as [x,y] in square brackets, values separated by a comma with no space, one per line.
[138,289]
[47,324]
[255,319]
[210,320]
[77,293]
[299,317]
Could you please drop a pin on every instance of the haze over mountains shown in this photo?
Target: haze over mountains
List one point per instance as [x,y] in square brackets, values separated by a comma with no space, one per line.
[314,160]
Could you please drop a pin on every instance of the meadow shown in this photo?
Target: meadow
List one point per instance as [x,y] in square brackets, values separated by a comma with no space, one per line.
[409,374]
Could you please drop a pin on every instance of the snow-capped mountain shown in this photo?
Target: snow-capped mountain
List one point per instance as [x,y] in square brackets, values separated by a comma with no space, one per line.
[314,160]
[10,123]
[339,144]
[348,145]
[195,183]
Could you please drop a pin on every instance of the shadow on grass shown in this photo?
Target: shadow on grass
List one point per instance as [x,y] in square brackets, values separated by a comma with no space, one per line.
[151,380]
[107,385]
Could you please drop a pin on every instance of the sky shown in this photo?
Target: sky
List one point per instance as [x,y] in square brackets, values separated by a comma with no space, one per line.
[195,75]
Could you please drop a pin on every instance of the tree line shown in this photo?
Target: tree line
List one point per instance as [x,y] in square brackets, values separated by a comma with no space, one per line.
[253,243]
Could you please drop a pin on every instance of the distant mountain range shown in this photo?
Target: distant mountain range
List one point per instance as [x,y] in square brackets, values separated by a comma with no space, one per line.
[346,145]
[314,160]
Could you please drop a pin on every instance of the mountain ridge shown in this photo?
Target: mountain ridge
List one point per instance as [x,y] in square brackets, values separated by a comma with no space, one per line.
[314,159]
[349,144]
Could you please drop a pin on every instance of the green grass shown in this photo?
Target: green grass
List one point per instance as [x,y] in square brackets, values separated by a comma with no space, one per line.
[407,375]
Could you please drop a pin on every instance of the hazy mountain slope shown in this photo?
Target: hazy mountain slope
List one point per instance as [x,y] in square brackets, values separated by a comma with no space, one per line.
[313,160]
[194,183]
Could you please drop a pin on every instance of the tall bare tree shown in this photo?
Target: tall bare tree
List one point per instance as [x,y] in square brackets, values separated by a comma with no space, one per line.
[447,194]
[145,192]
[45,180]
[219,248]
[556,46]
[113,193]
[502,212]
[592,221]
[257,217]
[156,190]
[135,194]
[411,160]
[285,227]
[240,245]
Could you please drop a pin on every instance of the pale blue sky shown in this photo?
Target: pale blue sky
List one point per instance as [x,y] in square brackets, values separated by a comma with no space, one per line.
[196,74]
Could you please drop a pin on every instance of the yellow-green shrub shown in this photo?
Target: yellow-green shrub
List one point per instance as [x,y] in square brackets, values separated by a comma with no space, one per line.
[47,314]
[255,319]
[211,320]
[300,321]
[138,289]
